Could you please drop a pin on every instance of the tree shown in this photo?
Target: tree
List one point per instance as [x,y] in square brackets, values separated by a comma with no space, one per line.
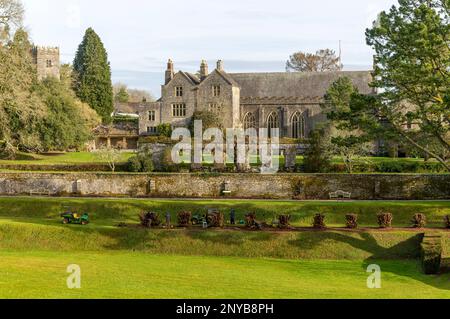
[348,142]
[412,64]
[134,95]
[164,130]
[318,156]
[21,108]
[68,122]
[93,75]
[321,61]
[109,155]
[209,120]
[122,95]
[11,17]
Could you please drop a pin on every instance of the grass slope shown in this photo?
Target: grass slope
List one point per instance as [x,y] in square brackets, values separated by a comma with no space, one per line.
[61,159]
[132,262]
[136,275]
[111,211]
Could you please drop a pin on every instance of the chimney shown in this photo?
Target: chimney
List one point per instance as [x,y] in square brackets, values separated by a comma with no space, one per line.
[203,70]
[169,71]
[220,65]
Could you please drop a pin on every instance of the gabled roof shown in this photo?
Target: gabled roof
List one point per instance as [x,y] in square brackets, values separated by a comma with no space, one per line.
[297,84]
[226,77]
[190,77]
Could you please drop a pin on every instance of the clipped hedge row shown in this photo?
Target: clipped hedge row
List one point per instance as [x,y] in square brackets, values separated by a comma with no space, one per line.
[431,254]
[393,167]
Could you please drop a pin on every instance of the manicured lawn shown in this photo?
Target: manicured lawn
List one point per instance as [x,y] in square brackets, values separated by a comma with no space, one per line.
[132,262]
[43,162]
[138,275]
[61,158]
[111,211]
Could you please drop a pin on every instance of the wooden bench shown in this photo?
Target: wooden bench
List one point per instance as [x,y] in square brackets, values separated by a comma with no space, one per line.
[340,195]
[41,192]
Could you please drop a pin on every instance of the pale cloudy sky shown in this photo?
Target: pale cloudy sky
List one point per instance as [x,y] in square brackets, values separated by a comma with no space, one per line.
[249,35]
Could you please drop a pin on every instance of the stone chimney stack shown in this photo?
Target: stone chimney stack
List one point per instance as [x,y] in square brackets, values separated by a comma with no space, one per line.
[203,70]
[169,72]
[220,65]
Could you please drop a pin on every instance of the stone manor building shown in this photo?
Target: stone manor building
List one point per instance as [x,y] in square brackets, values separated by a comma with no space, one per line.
[288,101]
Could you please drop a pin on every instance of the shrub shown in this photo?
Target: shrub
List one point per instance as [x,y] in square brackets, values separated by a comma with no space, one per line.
[447,221]
[164,130]
[284,221]
[147,165]
[141,163]
[384,220]
[318,156]
[319,221]
[134,164]
[431,253]
[250,221]
[351,221]
[184,218]
[149,219]
[419,221]
[215,219]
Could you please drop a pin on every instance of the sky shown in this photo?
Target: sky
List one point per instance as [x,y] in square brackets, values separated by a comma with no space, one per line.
[248,35]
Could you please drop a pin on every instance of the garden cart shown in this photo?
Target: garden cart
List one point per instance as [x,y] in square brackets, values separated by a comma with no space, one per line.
[70,217]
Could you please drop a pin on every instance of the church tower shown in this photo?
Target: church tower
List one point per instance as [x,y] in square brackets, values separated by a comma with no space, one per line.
[47,61]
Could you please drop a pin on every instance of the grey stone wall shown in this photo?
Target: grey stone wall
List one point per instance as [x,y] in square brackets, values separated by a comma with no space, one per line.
[280,186]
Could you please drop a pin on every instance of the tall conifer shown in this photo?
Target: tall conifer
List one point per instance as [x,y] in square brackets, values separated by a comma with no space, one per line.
[93,75]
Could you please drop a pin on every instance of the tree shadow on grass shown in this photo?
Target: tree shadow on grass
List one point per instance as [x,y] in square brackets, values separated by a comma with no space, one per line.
[388,258]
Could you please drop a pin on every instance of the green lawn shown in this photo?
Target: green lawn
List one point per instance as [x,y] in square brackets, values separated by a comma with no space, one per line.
[138,275]
[60,159]
[131,262]
[41,162]
[111,211]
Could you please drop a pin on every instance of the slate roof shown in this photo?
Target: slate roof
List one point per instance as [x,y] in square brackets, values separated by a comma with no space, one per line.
[130,107]
[311,85]
[116,130]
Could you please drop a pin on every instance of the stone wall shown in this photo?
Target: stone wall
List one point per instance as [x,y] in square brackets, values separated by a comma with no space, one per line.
[280,186]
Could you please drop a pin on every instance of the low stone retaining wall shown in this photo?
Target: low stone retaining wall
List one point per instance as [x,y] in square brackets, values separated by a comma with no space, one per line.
[279,186]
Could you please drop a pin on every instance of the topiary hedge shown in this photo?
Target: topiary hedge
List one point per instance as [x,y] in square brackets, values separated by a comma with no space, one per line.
[431,253]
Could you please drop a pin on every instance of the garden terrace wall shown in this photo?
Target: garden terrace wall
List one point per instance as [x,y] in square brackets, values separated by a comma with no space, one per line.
[279,186]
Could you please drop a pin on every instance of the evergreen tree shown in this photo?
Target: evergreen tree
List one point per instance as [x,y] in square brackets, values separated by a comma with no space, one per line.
[122,95]
[318,156]
[412,63]
[93,75]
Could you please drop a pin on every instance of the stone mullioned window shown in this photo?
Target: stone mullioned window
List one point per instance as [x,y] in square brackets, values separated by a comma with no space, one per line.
[179,110]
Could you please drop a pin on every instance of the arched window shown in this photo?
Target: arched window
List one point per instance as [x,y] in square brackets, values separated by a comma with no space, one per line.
[298,125]
[249,121]
[273,122]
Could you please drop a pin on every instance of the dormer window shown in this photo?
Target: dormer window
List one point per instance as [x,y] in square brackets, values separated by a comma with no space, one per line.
[216,90]
[179,91]
[49,63]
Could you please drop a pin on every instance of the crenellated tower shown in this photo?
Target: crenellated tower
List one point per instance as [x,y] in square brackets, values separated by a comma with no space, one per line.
[47,61]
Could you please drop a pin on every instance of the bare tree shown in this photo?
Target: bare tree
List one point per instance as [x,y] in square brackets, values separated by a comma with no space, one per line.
[321,61]
[11,16]
[134,95]
[109,155]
